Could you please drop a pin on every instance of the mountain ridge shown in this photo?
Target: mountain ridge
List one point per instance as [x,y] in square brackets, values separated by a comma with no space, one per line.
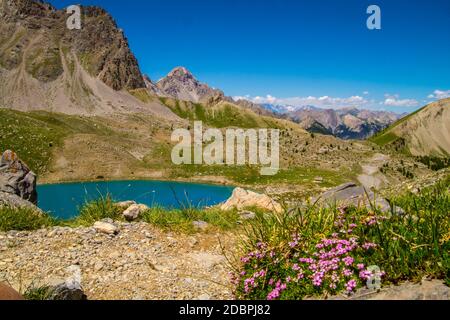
[344,123]
[46,66]
[426,132]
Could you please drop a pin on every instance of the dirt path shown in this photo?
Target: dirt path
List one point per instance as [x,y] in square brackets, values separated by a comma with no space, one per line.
[371,177]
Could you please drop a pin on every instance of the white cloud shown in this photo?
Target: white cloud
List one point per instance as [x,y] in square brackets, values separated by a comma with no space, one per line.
[395,101]
[366,93]
[439,94]
[322,102]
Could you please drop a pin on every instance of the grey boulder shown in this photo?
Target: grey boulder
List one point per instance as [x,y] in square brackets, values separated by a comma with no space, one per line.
[351,194]
[17,179]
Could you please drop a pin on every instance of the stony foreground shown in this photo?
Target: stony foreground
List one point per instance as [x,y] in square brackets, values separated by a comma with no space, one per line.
[140,262]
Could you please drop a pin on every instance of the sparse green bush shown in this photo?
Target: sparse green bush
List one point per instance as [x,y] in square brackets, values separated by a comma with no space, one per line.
[38,294]
[97,210]
[182,219]
[23,219]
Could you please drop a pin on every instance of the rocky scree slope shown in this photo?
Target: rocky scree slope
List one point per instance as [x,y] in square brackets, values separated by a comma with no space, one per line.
[46,66]
[424,133]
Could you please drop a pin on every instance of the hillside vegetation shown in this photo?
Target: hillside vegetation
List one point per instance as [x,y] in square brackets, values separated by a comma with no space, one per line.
[423,133]
[35,135]
[222,115]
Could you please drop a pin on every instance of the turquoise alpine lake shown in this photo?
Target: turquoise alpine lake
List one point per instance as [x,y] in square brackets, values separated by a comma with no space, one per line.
[64,200]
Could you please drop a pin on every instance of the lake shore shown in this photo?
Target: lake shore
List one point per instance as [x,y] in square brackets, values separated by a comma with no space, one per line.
[64,200]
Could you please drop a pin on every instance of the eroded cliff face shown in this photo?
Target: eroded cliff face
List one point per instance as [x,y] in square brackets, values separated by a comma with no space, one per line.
[44,65]
[35,36]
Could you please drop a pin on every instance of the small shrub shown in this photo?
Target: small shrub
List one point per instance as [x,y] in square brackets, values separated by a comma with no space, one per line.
[97,210]
[38,294]
[23,219]
[182,219]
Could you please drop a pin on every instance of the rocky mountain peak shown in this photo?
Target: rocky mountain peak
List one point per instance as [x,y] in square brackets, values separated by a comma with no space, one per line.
[346,123]
[42,43]
[181,72]
[182,85]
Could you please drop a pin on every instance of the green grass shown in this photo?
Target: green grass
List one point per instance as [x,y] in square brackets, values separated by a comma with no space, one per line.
[23,219]
[222,116]
[384,139]
[179,220]
[247,174]
[141,94]
[171,219]
[387,136]
[182,219]
[38,294]
[407,247]
[250,175]
[97,210]
[35,135]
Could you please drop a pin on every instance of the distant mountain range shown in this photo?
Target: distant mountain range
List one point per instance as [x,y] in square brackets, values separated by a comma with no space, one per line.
[346,123]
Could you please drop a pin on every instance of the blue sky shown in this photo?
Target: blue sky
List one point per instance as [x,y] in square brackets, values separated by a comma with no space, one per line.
[298,52]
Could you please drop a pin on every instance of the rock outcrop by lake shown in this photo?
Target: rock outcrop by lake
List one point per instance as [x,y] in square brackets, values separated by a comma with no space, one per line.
[242,199]
[17,182]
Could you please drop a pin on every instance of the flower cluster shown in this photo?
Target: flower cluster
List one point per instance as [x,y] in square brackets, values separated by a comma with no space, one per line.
[275,293]
[331,264]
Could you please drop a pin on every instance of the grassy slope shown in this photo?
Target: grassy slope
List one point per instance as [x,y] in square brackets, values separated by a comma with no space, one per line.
[388,136]
[34,135]
[222,115]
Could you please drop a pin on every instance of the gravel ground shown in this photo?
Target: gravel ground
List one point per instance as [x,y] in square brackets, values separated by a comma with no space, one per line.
[140,262]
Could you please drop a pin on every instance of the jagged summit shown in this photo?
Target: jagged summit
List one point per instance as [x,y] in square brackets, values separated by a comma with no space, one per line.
[32,33]
[180,72]
[182,85]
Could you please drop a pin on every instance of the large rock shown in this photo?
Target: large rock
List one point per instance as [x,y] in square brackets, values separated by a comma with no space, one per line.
[68,289]
[426,290]
[351,194]
[123,205]
[242,199]
[106,227]
[14,201]
[134,211]
[182,85]
[65,291]
[17,179]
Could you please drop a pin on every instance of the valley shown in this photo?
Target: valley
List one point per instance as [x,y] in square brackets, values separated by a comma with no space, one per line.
[67,148]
